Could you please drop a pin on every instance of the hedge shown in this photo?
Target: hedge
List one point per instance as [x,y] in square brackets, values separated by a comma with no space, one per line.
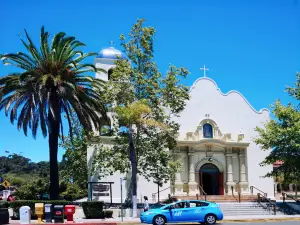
[108,213]
[93,210]
[17,204]
[4,204]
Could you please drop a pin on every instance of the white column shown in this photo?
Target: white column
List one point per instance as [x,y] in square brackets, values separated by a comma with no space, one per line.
[229,182]
[229,169]
[191,169]
[243,184]
[178,177]
[193,186]
[178,180]
[242,168]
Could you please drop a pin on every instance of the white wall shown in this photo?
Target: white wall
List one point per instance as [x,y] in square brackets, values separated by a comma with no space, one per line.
[232,113]
[144,188]
[105,64]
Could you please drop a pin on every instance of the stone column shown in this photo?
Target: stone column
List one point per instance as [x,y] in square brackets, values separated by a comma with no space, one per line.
[178,181]
[243,182]
[242,168]
[193,186]
[229,182]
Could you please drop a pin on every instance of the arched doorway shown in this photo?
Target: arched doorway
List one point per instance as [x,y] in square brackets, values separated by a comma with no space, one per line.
[211,179]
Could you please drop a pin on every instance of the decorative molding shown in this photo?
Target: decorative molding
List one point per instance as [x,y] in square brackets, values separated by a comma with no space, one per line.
[229,93]
[213,141]
[211,160]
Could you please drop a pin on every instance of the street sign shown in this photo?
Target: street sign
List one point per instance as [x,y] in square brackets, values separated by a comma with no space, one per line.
[5,184]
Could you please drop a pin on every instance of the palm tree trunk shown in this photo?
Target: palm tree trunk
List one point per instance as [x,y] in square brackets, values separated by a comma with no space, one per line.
[53,149]
[133,174]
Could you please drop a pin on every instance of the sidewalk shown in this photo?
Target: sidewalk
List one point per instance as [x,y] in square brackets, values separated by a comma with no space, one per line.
[131,221]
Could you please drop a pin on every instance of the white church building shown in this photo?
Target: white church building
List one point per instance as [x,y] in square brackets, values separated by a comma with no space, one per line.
[214,145]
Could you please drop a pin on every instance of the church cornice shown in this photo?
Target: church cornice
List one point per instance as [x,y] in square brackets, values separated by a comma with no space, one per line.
[229,93]
[212,141]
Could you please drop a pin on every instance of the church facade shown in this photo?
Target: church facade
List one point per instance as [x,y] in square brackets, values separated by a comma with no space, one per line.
[214,146]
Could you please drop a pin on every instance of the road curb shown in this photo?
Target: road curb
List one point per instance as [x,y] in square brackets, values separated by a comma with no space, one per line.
[260,220]
[230,221]
[136,223]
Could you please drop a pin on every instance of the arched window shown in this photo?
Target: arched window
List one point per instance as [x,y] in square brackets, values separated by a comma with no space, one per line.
[110,71]
[207,131]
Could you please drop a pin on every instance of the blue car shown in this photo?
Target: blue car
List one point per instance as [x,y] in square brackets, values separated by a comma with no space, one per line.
[184,211]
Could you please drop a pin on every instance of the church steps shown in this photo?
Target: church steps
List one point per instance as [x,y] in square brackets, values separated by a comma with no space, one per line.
[220,198]
[244,208]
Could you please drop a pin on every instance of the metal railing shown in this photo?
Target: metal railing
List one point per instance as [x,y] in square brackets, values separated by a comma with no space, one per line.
[262,197]
[286,196]
[203,192]
[232,193]
[154,194]
[270,205]
[251,190]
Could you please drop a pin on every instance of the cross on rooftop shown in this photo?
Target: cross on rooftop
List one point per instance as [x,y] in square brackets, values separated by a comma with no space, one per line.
[111,43]
[204,70]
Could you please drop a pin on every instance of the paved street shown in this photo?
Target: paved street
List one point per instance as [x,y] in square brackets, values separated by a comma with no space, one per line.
[264,223]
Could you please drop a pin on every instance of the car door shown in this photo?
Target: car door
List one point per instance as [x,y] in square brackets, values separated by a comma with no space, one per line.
[179,213]
[198,210]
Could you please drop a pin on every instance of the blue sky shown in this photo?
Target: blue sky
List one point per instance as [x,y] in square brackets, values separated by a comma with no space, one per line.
[252,46]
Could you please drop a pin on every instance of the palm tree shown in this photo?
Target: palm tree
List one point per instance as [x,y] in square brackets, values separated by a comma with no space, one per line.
[53,82]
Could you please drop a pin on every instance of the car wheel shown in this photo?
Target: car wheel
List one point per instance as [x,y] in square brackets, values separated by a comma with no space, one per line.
[210,219]
[159,220]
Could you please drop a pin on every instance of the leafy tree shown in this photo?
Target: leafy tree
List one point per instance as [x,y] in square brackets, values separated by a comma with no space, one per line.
[33,190]
[74,162]
[53,82]
[282,136]
[146,101]
[15,163]
[73,192]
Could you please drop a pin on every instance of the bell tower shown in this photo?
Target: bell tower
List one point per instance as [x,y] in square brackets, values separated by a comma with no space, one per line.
[106,60]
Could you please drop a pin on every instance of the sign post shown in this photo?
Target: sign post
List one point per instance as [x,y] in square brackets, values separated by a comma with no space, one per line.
[121,182]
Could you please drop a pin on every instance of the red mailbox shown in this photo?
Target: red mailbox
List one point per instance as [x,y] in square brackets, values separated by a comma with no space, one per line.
[69,212]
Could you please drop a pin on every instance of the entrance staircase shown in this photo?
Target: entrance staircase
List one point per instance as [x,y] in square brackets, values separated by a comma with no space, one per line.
[230,205]
[220,198]
[246,208]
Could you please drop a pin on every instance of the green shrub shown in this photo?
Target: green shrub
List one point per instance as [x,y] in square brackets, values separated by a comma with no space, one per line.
[93,210]
[108,213]
[73,192]
[4,204]
[16,205]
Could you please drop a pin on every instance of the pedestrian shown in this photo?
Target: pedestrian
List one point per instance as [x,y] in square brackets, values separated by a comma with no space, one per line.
[10,198]
[146,204]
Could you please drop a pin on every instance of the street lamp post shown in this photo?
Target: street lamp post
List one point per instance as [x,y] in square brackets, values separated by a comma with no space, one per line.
[121,183]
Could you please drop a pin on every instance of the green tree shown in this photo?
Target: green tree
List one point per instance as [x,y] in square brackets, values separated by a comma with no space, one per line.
[33,190]
[281,135]
[74,162]
[135,88]
[52,82]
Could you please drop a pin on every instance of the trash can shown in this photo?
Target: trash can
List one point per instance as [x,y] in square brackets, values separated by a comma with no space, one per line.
[25,215]
[69,211]
[58,214]
[4,216]
[48,213]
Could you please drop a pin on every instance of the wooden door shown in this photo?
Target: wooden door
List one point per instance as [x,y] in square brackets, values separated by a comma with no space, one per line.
[221,184]
[201,181]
